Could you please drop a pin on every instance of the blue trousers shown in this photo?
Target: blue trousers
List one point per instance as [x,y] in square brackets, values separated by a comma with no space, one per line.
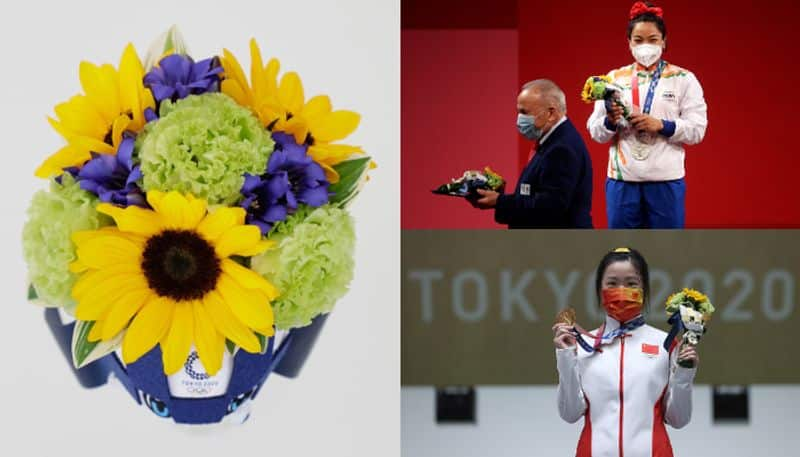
[648,205]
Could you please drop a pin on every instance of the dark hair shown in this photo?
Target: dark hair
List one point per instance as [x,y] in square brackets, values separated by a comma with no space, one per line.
[624,255]
[648,17]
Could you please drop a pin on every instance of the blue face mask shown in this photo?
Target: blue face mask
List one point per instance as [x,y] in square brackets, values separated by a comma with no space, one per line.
[527,128]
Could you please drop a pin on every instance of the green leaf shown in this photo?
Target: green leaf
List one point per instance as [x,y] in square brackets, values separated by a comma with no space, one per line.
[84,351]
[262,340]
[351,176]
[32,295]
[231,347]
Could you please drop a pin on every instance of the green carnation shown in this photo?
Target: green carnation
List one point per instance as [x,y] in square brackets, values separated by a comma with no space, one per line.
[46,238]
[203,144]
[311,265]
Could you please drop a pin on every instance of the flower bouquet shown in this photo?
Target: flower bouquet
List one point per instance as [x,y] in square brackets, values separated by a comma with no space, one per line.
[195,219]
[690,311]
[602,88]
[468,184]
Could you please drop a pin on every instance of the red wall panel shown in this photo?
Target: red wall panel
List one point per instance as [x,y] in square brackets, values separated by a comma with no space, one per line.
[459,90]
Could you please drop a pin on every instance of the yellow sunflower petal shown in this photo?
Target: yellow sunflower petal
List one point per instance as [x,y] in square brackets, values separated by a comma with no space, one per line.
[77,267]
[176,210]
[68,156]
[232,89]
[250,306]
[209,342]
[269,113]
[120,124]
[100,299]
[134,219]
[60,128]
[104,251]
[257,71]
[96,333]
[79,117]
[96,279]
[83,236]
[123,310]
[335,126]
[91,144]
[317,107]
[330,174]
[271,76]
[333,153]
[176,344]
[148,328]
[249,279]
[220,221]
[296,127]
[100,90]
[234,72]
[258,248]
[131,73]
[290,93]
[238,239]
[228,324]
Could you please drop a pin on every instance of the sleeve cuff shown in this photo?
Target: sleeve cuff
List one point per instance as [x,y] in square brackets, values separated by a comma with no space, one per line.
[613,127]
[684,376]
[500,209]
[669,128]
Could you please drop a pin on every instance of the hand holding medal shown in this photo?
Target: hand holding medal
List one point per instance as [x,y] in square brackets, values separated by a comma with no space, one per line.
[564,327]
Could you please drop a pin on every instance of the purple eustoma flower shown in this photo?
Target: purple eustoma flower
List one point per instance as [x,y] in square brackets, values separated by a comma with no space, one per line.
[292,178]
[112,177]
[178,76]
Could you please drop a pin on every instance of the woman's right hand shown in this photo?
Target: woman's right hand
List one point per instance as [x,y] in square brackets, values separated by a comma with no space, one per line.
[615,115]
[563,336]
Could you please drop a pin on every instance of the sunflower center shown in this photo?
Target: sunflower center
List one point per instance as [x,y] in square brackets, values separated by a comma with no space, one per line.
[180,264]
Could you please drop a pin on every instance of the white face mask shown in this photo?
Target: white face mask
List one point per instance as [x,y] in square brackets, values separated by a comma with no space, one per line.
[646,54]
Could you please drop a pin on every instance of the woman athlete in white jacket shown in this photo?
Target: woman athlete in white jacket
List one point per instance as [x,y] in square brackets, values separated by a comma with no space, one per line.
[645,187]
[625,385]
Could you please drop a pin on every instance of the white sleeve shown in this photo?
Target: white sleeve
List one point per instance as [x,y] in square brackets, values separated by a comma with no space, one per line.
[571,404]
[596,125]
[690,127]
[678,398]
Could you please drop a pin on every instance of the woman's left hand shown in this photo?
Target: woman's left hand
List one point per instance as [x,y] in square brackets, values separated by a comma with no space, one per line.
[646,123]
[689,352]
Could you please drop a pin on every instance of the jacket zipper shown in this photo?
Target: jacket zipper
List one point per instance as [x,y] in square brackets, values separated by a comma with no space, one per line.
[621,396]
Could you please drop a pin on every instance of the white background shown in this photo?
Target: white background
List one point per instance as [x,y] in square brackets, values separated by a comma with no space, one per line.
[517,421]
[346,400]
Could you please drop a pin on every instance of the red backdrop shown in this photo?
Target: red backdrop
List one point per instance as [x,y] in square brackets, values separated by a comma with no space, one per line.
[742,176]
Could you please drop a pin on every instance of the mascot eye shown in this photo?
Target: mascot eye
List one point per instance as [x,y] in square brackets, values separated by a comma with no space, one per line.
[238,400]
[158,407]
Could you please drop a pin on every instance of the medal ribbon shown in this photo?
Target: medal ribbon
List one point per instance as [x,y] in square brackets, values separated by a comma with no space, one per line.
[651,91]
[625,328]
[677,325]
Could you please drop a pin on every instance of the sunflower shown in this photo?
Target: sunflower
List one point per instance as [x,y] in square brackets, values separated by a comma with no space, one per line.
[113,101]
[695,295]
[165,276]
[283,107]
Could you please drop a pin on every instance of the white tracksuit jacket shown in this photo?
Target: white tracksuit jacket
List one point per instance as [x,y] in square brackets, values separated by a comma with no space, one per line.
[678,100]
[625,394]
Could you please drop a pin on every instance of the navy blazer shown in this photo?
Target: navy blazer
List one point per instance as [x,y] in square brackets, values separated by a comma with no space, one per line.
[557,185]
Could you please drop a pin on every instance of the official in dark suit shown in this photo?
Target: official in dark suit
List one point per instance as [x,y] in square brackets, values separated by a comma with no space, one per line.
[555,188]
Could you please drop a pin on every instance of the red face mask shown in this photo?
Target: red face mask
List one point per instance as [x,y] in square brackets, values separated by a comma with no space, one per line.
[623,303]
